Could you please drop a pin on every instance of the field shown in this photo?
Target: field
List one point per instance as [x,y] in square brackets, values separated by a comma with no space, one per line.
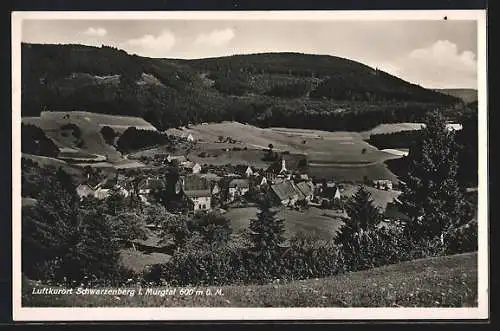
[448,281]
[94,148]
[323,223]
[342,155]
[51,123]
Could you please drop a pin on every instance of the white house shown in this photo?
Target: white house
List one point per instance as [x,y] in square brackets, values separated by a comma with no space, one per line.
[84,190]
[249,171]
[191,166]
[197,191]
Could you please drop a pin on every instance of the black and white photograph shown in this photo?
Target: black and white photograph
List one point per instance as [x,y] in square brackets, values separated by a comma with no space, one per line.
[249,165]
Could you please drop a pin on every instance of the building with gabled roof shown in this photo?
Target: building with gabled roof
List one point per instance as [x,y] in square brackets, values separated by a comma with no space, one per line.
[307,189]
[197,190]
[237,188]
[287,192]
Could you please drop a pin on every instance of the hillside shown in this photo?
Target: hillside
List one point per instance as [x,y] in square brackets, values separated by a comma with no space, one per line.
[448,281]
[78,135]
[270,89]
[337,155]
[467,95]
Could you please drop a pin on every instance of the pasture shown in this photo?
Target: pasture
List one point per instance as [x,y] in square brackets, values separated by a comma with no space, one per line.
[335,155]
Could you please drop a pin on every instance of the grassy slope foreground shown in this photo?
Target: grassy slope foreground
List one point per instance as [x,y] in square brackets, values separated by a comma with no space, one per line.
[449,281]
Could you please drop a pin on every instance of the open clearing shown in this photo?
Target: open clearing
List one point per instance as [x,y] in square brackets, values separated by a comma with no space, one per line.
[448,281]
[336,155]
[319,222]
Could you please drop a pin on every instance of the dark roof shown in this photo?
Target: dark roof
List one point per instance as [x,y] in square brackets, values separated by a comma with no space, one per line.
[239,183]
[306,188]
[329,191]
[287,190]
[195,186]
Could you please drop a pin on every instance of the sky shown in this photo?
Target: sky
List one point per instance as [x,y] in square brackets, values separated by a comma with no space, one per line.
[433,54]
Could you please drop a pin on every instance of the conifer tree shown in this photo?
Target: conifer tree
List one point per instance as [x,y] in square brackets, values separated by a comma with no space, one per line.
[431,195]
[364,215]
[267,235]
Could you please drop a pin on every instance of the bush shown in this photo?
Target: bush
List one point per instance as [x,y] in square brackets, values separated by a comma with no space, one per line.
[383,246]
[308,257]
[462,239]
[218,266]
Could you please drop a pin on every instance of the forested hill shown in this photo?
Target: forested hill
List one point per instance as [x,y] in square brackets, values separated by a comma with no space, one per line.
[270,89]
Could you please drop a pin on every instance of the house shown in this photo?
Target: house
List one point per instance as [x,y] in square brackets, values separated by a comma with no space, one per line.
[261,180]
[197,191]
[383,184]
[103,189]
[192,167]
[238,188]
[328,196]
[244,170]
[84,190]
[248,171]
[287,193]
[330,192]
[190,137]
[307,189]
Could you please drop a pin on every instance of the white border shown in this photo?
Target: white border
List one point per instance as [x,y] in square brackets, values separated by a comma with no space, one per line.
[165,313]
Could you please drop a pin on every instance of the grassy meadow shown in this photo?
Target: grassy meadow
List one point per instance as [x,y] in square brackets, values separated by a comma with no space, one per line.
[448,281]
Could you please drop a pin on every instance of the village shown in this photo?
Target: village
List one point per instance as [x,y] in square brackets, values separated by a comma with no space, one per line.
[185,186]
